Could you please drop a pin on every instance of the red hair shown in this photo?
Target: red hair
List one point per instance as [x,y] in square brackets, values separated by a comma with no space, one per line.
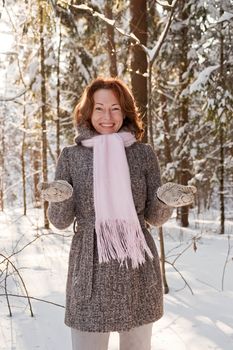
[83,110]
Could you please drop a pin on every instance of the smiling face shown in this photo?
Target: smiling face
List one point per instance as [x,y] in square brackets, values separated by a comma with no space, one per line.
[107,116]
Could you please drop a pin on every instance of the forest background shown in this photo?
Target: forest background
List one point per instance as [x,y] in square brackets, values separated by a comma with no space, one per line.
[177,57]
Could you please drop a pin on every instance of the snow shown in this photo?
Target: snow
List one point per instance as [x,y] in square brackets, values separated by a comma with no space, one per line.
[50,60]
[227,16]
[105,19]
[202,78]
[199,177]
[95,13]
[202,320]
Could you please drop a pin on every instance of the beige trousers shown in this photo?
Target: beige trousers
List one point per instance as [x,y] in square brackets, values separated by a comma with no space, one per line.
[138,338]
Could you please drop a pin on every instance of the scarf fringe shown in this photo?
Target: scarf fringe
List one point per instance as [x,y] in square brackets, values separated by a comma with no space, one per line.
[118,239]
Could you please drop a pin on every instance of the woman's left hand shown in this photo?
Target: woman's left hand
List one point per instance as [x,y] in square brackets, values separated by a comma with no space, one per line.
[55,191]
[176,195]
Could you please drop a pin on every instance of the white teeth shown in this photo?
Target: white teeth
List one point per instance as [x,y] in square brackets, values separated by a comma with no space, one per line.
[107,125]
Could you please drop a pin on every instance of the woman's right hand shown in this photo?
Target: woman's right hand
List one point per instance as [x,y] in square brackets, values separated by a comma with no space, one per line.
[56,191]
[176,195]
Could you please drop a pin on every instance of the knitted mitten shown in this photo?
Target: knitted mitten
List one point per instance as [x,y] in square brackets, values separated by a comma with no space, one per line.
[56,191]
[176,195]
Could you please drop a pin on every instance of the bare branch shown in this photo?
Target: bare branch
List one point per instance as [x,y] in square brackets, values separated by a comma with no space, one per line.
[22,281]
[226,260]
[23,296]
[29,243]
[207,284]
[186,283]
[5,287]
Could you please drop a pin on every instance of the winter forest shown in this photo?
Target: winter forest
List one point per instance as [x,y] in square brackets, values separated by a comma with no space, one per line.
[177,57]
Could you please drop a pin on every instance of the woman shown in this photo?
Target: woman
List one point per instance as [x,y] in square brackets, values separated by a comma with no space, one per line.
[109,182]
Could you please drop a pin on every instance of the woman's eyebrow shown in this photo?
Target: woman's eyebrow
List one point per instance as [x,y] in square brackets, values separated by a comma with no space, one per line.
[114,104]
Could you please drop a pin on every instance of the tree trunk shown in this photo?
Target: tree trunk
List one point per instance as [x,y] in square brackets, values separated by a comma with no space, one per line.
[2,160]
[36,161]
[150,136]
[162,260]
[111,47]
[43,111]
[221,180]
[58,93]
[23,149]
[184,174]
[138,26]
[166,129]
[221,136]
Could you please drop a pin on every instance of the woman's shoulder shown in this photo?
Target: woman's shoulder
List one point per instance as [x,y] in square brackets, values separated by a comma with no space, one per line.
[70,150]
[145,148]
[146,153]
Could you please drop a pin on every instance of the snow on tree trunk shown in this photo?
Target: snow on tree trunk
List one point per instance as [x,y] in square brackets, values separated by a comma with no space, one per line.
[111,41]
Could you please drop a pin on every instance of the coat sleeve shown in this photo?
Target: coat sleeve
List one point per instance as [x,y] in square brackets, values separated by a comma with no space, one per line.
[156,212]
[61,214]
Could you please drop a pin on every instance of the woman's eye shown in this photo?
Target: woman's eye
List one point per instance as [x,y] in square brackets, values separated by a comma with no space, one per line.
[116,109]
[98,109]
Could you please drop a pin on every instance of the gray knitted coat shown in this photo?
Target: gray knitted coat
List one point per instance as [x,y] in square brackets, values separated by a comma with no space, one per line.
[106,297]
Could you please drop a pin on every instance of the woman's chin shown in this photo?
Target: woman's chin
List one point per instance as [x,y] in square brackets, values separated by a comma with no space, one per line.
[106,131]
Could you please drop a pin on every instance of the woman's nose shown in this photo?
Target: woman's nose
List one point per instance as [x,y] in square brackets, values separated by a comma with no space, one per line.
[107,114]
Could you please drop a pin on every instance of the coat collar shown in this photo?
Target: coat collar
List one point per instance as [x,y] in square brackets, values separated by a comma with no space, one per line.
[83,133]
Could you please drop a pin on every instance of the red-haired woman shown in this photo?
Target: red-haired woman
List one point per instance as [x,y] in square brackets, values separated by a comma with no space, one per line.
[109,185]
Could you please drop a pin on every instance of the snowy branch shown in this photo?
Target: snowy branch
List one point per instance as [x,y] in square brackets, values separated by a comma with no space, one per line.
[151,53]
[202,78]
[226,17]
[15,184]
[5,99]
[164,4]
[2,98]
[110,22]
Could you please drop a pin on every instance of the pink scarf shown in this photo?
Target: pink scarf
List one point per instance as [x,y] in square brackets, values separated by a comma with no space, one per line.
[119,234]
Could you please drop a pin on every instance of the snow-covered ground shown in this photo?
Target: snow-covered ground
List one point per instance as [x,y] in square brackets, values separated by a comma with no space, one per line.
[202,320]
